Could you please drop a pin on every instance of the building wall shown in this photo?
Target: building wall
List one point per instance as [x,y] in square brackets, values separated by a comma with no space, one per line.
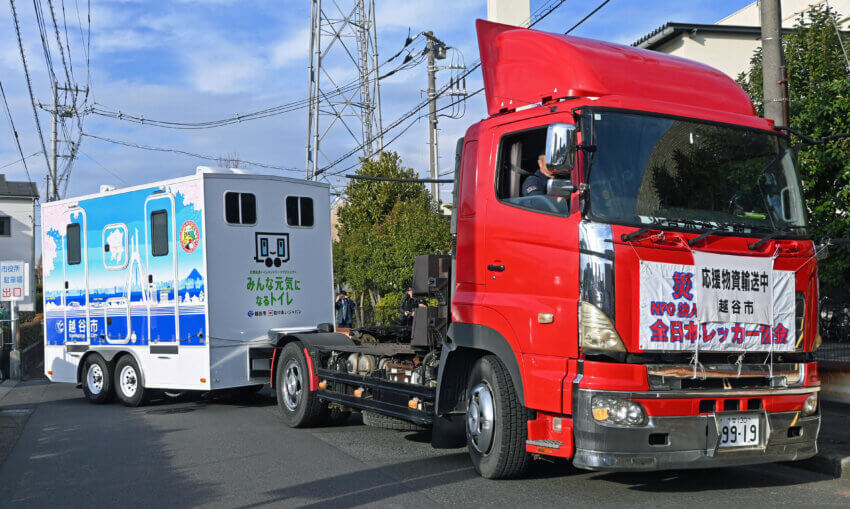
[728,53]
[791,9]
[20,245]
[509,12]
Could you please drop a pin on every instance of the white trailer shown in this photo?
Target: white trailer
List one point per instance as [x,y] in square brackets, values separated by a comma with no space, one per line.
[179,284]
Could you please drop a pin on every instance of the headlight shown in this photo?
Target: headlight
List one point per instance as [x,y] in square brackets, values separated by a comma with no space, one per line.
[811,405]
[597,331]
[623,412]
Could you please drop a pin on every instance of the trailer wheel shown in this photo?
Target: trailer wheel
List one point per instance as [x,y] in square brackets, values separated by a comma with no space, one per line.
[496,423]
[377,420]
[97,380]
[298,406]
[128,382]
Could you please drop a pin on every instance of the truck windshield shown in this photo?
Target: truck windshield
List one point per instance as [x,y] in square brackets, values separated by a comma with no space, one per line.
[649,169]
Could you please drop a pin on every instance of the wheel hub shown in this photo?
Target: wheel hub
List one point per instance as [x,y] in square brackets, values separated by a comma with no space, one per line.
[129,381]
[94,379]
[292,384]
[480,418]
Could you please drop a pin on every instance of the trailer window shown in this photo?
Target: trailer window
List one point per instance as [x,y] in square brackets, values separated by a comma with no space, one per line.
[159,233]
[299,211]
[72,233]
[240,208]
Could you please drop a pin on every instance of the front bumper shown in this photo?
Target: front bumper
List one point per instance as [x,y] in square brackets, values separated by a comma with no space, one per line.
[688,441]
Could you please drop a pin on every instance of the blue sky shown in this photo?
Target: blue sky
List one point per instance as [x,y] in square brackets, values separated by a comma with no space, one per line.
[197,60]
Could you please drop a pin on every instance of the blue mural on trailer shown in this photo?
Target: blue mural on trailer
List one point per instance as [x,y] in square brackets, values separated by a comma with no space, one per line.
[105,281]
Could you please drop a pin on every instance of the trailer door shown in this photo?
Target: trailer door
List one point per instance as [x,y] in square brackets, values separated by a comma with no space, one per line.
[75,264]
[161,261]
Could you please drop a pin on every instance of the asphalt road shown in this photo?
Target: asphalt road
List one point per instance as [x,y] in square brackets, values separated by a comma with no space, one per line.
[227,452]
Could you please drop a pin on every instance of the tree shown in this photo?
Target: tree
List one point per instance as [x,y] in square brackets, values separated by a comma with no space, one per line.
[819,105]
[382,227]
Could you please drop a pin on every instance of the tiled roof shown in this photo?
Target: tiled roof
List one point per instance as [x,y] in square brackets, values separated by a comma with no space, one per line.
[17,189]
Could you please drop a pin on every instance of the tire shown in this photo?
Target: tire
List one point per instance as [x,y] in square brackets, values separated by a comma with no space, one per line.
[299,407]
[498,450]
[97,380]
[129,385]
[377,420]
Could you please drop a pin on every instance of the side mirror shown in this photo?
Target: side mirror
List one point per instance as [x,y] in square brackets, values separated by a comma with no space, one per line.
[560,188]
[560,147]
[821,251]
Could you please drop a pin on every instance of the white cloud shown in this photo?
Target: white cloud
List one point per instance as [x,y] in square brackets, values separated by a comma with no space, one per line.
[292,49]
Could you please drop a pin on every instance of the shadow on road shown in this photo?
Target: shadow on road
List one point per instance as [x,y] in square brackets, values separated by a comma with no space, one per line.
[691,481]
[373,485]
[94,458]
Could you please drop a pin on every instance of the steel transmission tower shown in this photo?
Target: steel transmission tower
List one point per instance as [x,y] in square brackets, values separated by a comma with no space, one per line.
[343,38]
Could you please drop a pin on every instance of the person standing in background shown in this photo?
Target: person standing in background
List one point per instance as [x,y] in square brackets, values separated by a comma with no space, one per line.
[344,310]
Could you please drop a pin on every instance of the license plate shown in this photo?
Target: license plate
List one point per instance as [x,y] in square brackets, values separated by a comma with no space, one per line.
[740,430]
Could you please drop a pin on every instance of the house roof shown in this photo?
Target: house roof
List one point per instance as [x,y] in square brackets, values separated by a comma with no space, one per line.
[671,30]
[9,188]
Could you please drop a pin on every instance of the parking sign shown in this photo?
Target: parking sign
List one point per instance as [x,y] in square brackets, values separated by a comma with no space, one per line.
[14,280]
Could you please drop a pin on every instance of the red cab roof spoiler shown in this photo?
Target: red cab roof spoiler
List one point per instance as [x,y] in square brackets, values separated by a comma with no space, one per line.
[523,66]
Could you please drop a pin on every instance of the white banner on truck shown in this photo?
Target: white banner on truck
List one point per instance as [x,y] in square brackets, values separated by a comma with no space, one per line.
[680,312]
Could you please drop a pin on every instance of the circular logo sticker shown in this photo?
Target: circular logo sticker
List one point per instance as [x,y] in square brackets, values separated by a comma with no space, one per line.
[190,236]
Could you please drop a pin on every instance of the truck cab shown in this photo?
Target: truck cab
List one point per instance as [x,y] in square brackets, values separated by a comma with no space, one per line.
[660,297]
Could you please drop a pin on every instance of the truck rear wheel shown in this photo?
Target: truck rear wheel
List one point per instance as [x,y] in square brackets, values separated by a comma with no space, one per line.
[97,380]
[128,382]
[496,423]
[298,406]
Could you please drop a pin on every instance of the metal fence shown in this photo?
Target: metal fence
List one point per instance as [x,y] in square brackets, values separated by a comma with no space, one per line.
[835,330]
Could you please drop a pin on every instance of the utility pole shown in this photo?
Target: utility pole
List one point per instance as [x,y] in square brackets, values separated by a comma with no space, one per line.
[773,62]
[58,111]
[53,192]
[436,50]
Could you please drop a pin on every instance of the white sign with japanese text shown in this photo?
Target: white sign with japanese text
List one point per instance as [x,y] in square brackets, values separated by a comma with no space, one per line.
[14,280]
[678,311]
[733,288]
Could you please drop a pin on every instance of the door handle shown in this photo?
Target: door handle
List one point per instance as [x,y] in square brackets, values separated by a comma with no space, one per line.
[66,285]
[150,278]
[496,268]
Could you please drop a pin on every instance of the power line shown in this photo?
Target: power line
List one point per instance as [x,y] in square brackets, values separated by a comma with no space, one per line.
[183,152]
[594,11]
[536,18]
[410,61]
[14,131]
[29,81]
[107,170]
[16,161]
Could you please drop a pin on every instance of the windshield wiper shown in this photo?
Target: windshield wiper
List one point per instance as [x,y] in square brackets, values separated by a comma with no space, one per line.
[655,225]
[710,231]
[771,235]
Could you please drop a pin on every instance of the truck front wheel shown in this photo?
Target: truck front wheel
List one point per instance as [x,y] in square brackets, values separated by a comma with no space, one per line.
[496,423]
[298,406]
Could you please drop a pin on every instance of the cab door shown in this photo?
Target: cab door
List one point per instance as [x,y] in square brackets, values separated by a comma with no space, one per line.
[161,262]
[531,245]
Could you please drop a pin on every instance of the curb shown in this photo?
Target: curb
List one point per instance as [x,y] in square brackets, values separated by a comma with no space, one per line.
[834,464]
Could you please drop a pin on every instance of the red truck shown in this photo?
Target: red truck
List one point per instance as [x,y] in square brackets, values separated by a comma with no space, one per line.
[654,307]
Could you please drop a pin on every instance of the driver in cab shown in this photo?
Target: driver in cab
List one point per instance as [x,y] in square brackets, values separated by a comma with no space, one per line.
[535,184]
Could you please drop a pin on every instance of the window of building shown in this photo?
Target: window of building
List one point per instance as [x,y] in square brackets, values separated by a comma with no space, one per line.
[159,233]
[299,211]
[240,208]
[74,247]
[5,226]
[518,181]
